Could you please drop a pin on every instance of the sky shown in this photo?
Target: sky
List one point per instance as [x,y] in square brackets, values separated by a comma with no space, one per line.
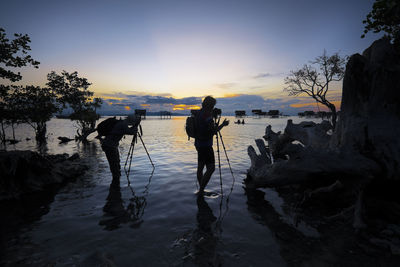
[168,55]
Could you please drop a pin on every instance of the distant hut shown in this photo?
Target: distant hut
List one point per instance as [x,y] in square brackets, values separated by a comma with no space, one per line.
[256,111]
[165,115]
[141,113]
[263,113]
[309,113]
[240,113]
[273,113]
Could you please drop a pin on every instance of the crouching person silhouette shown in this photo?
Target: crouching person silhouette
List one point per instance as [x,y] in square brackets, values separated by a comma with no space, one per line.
[110,142]
[206,128]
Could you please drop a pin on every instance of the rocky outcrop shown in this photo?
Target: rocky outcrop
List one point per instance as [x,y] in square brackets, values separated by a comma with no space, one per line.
[26,172]
[363,149]
[366,140]
[370,113]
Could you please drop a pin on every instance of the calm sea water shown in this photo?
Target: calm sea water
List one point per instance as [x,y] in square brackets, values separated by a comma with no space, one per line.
[160,221]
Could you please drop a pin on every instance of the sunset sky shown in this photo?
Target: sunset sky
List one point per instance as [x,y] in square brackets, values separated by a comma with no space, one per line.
[167,55]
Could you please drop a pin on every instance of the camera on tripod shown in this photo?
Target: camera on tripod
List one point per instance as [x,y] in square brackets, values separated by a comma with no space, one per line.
[216,113]
[134,120]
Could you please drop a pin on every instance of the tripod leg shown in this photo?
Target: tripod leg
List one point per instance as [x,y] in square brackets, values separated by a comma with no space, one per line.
[219,167]
[226,155]
[129,157]
[146,150]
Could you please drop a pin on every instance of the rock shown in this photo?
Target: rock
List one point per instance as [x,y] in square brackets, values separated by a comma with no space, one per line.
[381,243]
[370,112]
[25,172]
[387,233]
[395,250]
[394,228]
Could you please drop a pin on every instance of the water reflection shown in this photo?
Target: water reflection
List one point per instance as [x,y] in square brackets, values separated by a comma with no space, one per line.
[42,147]
[205,236]
[168,213]
[295,247]
[117,213]
[87,148]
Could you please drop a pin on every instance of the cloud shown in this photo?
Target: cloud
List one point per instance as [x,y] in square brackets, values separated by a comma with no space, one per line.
[267,75]
[225,86]
[229,103]
[117,103]
[261,75]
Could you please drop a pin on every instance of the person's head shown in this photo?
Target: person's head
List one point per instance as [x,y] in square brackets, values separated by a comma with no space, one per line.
[208,103]
[132,119]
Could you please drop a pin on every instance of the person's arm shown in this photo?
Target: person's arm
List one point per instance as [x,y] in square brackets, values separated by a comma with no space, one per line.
[216,128]
[222,125]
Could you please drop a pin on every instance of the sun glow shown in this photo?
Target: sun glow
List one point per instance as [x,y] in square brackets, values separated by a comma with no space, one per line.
[315,105]
[185,107]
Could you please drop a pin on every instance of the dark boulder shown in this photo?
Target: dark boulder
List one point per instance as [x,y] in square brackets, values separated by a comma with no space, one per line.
[26,172]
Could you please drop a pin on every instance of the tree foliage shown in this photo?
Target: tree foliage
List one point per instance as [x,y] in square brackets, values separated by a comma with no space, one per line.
[384,17]
[72,91]
[314,79]
[35,105]
[14,54]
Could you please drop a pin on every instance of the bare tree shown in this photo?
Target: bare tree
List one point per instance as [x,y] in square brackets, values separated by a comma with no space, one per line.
[314,81]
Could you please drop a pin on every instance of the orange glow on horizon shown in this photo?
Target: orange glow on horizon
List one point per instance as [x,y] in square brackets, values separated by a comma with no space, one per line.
[314,105]
[127,108]
[145,105]
[185,107]
[231,95]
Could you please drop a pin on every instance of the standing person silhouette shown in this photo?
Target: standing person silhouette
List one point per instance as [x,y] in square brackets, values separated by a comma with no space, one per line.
[206,128]
[110,144]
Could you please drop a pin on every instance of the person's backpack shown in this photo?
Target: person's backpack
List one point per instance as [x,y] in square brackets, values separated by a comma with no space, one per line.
[105,127]
[190,126]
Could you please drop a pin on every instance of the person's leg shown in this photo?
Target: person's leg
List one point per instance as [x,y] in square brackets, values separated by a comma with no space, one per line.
[207,175]
[200,168]
[210,167]
[112,155]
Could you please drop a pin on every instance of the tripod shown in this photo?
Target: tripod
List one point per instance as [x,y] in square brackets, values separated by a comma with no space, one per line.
[130,153]
[219,137]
